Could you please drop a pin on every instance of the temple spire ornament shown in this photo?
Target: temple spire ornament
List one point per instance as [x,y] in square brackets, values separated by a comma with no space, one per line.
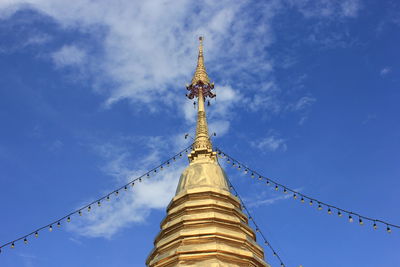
[202,89]
[205,225]
[200,75]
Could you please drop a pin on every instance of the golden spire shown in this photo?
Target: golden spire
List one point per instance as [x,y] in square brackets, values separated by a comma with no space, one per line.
[201,88]
[200,75]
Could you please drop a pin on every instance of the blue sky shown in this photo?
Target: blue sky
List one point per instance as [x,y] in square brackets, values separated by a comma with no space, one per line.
[92,95]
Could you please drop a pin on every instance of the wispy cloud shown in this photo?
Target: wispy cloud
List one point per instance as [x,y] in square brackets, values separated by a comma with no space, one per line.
[268,201]
[369,118]
[135,205]
[130,207]
[262,198]
[350,8]
[69,55]
[302,103]
[219,127]
[327,8]
[38,39]
[384,71]
[270,143]
[302,106]
[27,37]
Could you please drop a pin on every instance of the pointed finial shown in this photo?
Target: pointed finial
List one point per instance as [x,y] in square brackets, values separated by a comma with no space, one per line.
[201,46]
[200,75]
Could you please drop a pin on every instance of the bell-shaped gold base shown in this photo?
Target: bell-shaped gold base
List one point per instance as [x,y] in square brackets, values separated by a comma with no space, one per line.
[205,225]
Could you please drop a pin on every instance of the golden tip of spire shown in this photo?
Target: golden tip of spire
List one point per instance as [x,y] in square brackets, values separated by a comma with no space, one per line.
[200,74]
[201,38]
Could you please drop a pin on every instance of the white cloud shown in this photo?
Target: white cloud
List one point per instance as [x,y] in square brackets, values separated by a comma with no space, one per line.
[261,200]
[269,201]
[226,98]
[220,127]
[270,143]
[386,70]
[267,102]
[301,106]
[302,103]
[38,39]
[369,118]
[350,8]
[69,55]
[327,8]
[303,119]
[129,207]
[147,54]
[134,205]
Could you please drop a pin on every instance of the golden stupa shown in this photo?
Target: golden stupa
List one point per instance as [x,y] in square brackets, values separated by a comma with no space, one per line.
[205,225]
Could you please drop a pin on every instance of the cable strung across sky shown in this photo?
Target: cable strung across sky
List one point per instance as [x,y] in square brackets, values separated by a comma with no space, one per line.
[258,230]
[97,202]
[234,162]
[303,198]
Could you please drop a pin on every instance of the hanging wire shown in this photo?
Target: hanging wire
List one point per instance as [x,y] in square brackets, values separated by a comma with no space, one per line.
[258,230]
[311,200]
[97,201]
